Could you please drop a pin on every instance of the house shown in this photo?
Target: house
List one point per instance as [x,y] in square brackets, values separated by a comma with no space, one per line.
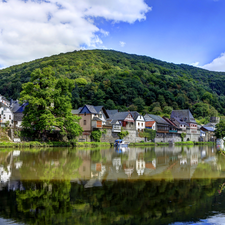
[5,114]
[139,121]
[187,124]
[209,133]
[125,119]
[18,113]
[166,130]
[91,117]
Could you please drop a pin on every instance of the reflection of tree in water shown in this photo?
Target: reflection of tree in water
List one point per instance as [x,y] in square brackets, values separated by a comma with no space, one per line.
[140,202]
[48,165]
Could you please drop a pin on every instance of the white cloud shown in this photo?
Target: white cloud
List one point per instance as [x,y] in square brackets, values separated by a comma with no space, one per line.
[218,64]
[32,29]
[194,64]
[122,44]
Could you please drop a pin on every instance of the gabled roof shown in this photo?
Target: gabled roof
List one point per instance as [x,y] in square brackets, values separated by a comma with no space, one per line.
[183,115]
[135,114]
[99,108]
[94,109]
[112,112]
[22,107]
[158,119]
[90,108]
[208,128]
[120,116]
[14,105]
[169,121]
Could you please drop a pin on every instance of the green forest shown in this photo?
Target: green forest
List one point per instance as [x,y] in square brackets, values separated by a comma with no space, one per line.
[127,82]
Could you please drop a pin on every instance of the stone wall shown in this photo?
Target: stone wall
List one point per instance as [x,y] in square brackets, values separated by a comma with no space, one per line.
[112,136]
[167,137]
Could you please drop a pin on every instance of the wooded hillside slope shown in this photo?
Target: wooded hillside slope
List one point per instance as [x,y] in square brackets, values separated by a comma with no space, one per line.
[127,81]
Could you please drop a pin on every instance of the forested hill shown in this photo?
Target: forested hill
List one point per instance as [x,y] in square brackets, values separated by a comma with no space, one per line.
[126,81]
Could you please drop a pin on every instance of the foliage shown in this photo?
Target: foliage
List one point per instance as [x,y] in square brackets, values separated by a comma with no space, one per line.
[182,136]
[125,79]
[220,129]
[123,133]
[49,105]
[97,134]
[149,134]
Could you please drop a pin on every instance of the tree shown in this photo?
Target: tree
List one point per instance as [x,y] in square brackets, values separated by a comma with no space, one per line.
[140,103]
[220,129]
[167,110]
[49,105]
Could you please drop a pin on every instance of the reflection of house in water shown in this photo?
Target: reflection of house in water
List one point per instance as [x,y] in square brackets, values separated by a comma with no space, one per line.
[85,168]
[117,163]
[140,164]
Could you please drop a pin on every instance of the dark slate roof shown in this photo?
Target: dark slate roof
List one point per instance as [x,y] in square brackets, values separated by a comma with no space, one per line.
[184,115]
[15,106]
[119,116]
[209,128]
[91,109]
[98,108]
[22,107]
[3,105]
[111,112]
[96,119]
[158,119]
[114,122]
[135,114]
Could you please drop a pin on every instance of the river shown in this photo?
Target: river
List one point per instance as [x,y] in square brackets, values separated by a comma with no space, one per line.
[151,185]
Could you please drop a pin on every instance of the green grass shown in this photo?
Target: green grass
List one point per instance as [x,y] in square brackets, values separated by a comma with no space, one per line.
[141,144]
[162,143]
[184,143]
[92,144]
[34,144]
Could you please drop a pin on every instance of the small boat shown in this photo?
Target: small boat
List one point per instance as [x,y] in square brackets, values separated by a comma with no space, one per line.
[121,143]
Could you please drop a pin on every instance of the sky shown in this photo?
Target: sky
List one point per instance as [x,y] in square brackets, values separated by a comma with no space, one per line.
[179,31]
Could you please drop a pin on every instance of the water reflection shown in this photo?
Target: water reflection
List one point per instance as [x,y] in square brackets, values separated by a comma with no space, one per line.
[133,186]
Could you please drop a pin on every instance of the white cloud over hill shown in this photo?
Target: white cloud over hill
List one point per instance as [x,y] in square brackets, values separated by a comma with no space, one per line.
[218,64]
[35,28]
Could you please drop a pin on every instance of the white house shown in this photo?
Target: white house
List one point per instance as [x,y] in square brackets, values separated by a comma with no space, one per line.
[139,120]
[5,114]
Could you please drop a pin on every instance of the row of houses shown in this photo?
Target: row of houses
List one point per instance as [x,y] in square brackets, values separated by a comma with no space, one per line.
[167,129]
[97,117]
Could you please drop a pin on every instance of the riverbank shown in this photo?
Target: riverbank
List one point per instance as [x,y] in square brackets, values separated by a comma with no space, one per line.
[32,144]
[167,144]
[91,144]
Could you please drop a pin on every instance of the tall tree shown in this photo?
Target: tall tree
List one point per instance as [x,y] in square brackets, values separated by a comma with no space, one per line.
[49,105]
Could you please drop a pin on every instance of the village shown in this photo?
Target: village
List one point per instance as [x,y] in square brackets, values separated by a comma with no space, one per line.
[181,122]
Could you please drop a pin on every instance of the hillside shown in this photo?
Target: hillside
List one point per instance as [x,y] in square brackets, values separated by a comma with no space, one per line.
[127,81]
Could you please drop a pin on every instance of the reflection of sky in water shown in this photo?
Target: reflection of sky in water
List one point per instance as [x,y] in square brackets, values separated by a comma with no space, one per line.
[5,222]
[214,220]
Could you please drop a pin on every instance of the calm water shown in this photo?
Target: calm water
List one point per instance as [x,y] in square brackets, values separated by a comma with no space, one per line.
[162,185]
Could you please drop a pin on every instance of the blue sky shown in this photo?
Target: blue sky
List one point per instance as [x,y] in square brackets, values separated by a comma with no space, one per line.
[178,31]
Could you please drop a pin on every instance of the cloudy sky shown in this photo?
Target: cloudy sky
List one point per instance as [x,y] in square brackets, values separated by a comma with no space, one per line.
[178,31]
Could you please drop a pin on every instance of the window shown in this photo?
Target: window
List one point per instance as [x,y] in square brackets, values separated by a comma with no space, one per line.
[84,122]
[4,117]
[85,113]
[100,115]
[142,124]
[138,124]
[9,117]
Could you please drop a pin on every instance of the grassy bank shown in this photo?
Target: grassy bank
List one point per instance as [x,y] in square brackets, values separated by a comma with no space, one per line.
[92,144]
[34,144]
[141,144]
